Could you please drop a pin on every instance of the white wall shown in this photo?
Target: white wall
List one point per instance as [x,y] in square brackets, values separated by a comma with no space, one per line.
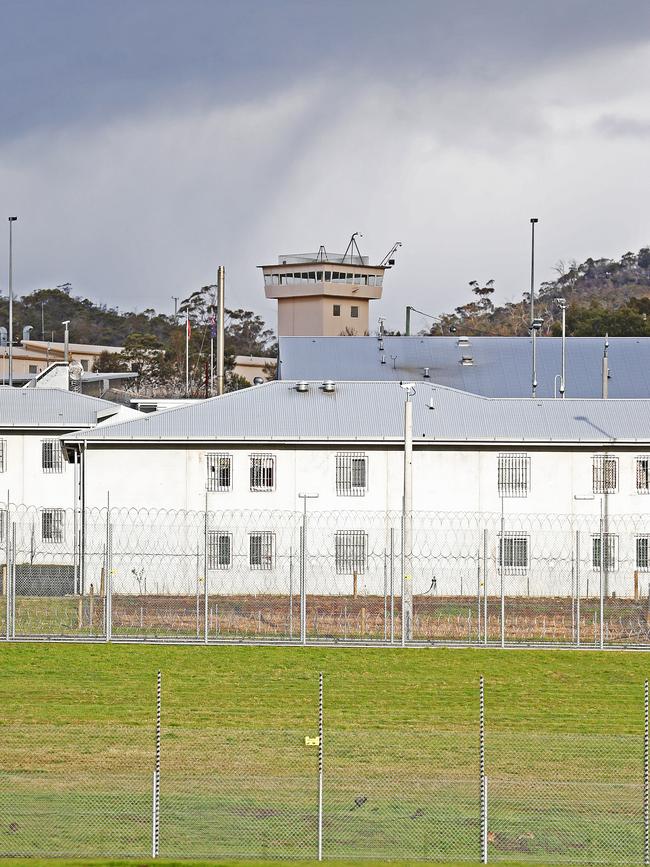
[24,477]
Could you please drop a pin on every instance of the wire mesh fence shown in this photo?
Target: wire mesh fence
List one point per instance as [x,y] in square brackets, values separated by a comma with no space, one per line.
[477,792]
[346,576]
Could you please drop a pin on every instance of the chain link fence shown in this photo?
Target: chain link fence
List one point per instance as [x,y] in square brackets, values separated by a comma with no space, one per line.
[474,793]
[345,576]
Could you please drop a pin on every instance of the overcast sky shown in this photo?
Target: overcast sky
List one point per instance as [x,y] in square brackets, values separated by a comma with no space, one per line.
[143,142]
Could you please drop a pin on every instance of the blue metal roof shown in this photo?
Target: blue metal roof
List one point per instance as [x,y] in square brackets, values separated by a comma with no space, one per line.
[499,367]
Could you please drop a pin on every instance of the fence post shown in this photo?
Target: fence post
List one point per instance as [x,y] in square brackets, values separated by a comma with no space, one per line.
[485,585]
[501,553]
[392,585]
[578,588]
[303,602]
[482,777]
[478,591]
[155,812]
[646,833]
[320,767]
[206,595]
[108,584]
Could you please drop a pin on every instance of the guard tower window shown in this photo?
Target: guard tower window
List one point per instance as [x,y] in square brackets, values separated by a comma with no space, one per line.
[354,312]
[336,309]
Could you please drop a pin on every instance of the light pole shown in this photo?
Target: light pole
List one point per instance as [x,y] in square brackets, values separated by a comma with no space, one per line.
[561,302]
[533,221]
[407,517]
[303,567]
[535,326]
[12,220]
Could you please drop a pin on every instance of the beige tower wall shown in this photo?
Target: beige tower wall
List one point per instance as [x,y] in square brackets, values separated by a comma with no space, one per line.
[315,316]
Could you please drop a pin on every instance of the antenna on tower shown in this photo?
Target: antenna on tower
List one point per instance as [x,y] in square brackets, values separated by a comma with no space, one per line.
[352,246]
[387,258]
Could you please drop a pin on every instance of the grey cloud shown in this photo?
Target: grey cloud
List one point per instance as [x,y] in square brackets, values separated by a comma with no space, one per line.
[623,127]
[66,61]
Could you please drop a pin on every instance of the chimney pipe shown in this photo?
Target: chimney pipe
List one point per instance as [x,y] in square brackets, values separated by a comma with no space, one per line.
[221,278]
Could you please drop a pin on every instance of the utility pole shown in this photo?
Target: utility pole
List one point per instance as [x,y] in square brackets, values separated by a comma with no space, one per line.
[12,220]
[221,279]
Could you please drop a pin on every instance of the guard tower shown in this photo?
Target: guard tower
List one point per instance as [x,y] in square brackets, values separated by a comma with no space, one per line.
[325,294]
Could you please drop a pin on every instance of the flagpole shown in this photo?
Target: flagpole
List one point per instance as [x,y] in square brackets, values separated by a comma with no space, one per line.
[187,354]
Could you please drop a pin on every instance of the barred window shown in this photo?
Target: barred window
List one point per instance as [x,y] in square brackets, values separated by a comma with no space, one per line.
[643,474]
[51,456]
[52,525]
[351,552]
[643,553]
[513,475]
[514,553]
[351,474]
[262,472]
[611,552]
[219,550]
[219,472]
[605,474]
[261,550]
[3,456]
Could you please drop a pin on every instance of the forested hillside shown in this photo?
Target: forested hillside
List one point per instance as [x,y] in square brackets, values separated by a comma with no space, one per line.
[154,343]
[603,296]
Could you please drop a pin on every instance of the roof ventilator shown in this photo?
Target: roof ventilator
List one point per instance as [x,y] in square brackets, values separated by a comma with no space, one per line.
[467,361]
[462,341]
[425,373]
[302,386]
[328,385]
[383,359]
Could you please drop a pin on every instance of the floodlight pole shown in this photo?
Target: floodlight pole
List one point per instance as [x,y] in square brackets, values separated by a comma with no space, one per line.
[561,302]
[533,221]
[221,279]
[12,220]
[407,518]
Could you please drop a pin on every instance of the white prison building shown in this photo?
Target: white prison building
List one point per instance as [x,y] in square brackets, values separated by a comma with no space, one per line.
[238,464]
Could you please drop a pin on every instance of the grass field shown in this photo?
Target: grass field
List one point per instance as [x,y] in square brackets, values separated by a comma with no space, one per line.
[564,751]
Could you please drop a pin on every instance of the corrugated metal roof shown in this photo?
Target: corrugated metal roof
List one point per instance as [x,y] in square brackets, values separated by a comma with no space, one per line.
[49,408]
[368,411]
[500,366]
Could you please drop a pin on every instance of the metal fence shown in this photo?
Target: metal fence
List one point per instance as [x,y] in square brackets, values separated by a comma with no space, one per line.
[304,577]
[476,793]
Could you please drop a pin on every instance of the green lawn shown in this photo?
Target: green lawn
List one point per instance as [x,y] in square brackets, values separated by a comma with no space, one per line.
[564,749]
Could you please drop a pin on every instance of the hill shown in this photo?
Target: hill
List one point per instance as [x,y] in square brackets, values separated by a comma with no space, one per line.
[603,296]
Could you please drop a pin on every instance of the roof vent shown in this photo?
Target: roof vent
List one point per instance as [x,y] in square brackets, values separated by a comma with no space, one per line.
[430,404]
[383,359]
[467,361]
[425,373]
[328,385]
[462,341]
[258,380]
[381,345]
[302,385]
